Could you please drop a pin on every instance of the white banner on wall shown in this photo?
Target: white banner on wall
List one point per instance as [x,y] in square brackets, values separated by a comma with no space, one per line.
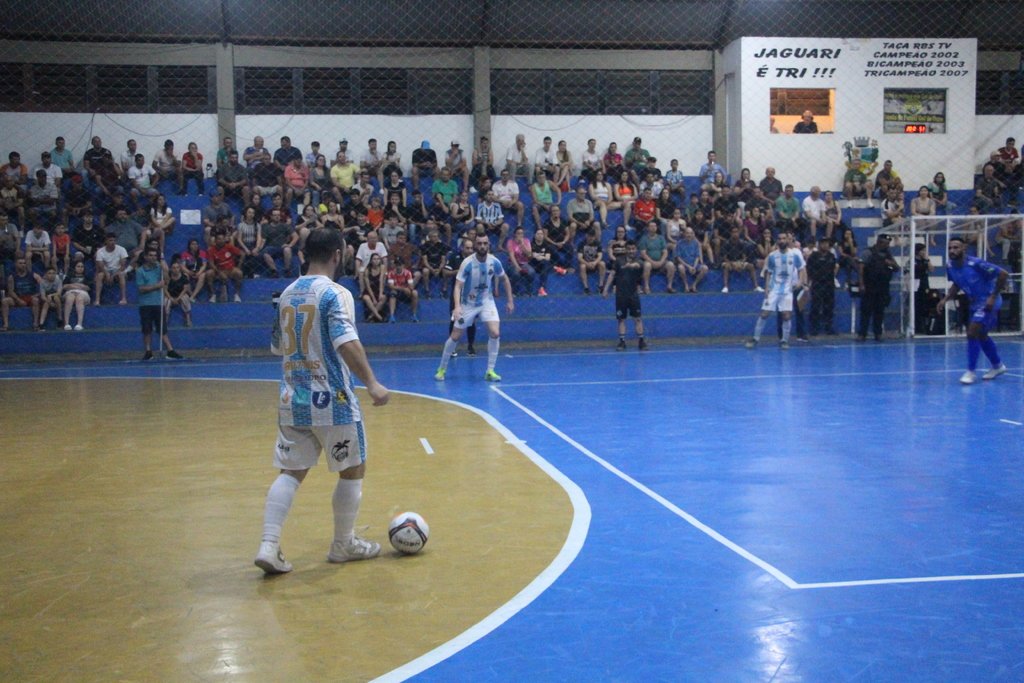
[913,97]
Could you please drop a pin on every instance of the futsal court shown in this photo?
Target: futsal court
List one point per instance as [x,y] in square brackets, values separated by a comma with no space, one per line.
[837,512]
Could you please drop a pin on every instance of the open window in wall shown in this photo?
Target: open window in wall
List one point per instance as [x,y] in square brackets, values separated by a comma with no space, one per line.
[802,110]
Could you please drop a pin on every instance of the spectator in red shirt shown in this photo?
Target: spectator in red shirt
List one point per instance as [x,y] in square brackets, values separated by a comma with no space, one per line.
[191,168]
[225,263]
[645,210]
[401,287]
[1009,166]
[409,254]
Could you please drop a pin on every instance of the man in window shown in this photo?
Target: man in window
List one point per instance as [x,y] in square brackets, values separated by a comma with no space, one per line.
[806,124]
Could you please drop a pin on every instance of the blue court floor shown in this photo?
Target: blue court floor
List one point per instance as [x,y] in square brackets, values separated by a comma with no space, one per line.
[836,512]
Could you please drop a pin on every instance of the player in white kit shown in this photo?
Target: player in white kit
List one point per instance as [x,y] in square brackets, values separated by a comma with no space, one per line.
[474,297]
[785,268]
[315,332]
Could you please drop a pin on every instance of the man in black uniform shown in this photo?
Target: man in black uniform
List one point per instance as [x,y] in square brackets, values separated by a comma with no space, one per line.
[451,268]
[875,268]
[822,268]
[628,273]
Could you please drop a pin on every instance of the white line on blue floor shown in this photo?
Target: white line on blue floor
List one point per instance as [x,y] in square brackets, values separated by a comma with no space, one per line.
[426,445]
[1011,422]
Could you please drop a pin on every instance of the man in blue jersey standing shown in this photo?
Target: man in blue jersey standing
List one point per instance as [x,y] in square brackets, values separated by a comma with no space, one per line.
[981,282]
[786,271]
[474,297]
[315,333]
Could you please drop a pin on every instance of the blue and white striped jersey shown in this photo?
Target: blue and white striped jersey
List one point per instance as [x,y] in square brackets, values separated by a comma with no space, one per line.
[476,277]
[491,214]
[784,270]
[315,316]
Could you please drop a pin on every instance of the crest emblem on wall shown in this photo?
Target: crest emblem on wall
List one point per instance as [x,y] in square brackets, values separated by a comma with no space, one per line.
[862,154]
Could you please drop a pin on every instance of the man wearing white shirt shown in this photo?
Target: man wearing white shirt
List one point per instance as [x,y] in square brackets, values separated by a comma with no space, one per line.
[141,178]
[814,213]
[367,249]
[371,159]
[54,176]
[544,159]
[591,161]
[516,160]
[506,191]
[128,156]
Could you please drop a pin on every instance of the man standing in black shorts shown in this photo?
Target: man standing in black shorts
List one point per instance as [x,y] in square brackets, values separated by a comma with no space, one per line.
[451,269]
[627,273]
[150,281]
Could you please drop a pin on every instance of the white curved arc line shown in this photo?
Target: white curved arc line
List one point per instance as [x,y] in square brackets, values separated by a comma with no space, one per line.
[570,549]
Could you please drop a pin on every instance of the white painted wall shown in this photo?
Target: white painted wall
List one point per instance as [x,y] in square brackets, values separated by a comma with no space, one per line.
[990,133]
[806,160]
[33,133]
[686,138]
[407,132]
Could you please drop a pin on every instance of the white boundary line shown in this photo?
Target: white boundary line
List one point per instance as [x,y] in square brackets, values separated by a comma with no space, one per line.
[426,445]
[1011,422]
[778,574]
[570,549]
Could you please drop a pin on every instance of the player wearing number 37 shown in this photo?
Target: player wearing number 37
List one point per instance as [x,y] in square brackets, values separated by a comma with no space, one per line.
[315,333]
[981,282]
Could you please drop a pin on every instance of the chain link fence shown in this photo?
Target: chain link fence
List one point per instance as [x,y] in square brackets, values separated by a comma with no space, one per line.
[638,92]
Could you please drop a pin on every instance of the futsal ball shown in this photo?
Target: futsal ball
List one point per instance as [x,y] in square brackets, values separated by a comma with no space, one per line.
[408,533]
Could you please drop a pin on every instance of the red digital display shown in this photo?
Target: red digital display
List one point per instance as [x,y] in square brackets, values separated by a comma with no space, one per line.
[915,128]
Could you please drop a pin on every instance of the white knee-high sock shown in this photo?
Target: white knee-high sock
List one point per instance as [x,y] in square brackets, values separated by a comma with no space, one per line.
[345,501]
[279,502]
[449,349]
[759,328]
[492,352]
[787,325]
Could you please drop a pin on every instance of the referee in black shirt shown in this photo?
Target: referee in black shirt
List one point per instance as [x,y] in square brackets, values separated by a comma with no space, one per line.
[627,273]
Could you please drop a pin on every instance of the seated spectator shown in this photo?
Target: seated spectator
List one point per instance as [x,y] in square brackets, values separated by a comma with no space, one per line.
[419,213]
[61,244]
[267,180]
[581,212]
[224,153]
[674,225]
[718,186]
[456,165]
[319,182]
[256,155]
[10,244]
[655,257]
[1008,237]
[759,202]
[372,161]
[563,160]
[937,188]
[394,188]
[165,163]
[232,177]
[893,209]
[652,183]
[38,246]
[542,259]
[545,195]
[674,181]
[813,215]
[923,204]
[980,204]
[1008,167]
[888,178]
[409,254]
[19,292]
[625,194]
[161,220]
[424,161]
[372,287]
[590,256]
[517,162]
[401,288]
[848,253]
[736,259]
[395,209]
[87,238]
[142,180]
[461,213]
[296,182]
[54,176]
[990,186]
[856,184]
[771,187]
[127,232]
[284,154]
[726,205]
[225,263]
[392,163]
[368,248]
[833,216]
[787,210]
[559,236]
[213,212]
[307,222]
[77,198]
[42,200]
[280,238]
[707,172]
[636,161]
[47,299]
[92,155]
[444,191]
[590,162]
[613,164]
[249,240]
[645,210]
[743,190]
[482,164]
[545,159]
[520,272]
[764,246]
[63,157]
[116,203]
[194,265]
[108,177]
[806,124]
[191,168]
[111,266]
[16,170]
[77,285]
[434,254]
[506,192]
[364,187]
[343,178]
[602,195]
[176,290]
[753,226]
[491,218]
[689,260]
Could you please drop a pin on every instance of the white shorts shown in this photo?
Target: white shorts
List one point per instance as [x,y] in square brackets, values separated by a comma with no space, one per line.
[778,301]
[298,448]
[487,313]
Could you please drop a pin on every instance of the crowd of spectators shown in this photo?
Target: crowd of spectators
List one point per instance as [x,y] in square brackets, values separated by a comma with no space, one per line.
[86,221]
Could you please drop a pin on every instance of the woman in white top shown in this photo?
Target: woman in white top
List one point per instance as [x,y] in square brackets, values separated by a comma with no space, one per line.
[591,161]
[161,220]
[924,205]
[564,159]
[601,195]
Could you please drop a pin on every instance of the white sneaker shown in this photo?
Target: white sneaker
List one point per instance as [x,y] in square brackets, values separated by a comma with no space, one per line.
[359,549]
[725,290]
[78,328]
[994,372]
[759,289]
[67,328]
[838,286]
[968,378]
[271,560]
[238,299]
[213,298]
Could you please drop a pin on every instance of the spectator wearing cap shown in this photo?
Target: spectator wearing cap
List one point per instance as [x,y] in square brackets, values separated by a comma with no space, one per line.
[545,159]
[424,160]
[875,270]
[165,162]
[191,168]
[636,161]
[372,161]
[285,153]
[516,160]
[455,163]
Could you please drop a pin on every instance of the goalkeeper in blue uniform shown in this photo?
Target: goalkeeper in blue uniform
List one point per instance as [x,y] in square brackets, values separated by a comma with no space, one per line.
[981,282]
